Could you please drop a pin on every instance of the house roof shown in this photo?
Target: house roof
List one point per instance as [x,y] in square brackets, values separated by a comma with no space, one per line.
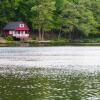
[12,25]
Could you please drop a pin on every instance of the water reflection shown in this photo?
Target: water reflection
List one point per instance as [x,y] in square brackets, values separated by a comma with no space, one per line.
[48,84]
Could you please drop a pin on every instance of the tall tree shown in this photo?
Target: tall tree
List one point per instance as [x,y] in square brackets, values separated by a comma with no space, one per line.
[78,17]
[58,18]
[7,12]
[42,13]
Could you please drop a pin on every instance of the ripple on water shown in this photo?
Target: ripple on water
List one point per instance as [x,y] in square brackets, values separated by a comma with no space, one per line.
[50,73]
[50,84]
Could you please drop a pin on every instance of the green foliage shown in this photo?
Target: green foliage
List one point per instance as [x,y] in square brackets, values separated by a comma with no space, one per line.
[65,16]
[9,38]
[42,16]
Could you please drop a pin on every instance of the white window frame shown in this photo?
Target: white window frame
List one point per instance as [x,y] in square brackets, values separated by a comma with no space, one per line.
[21,25]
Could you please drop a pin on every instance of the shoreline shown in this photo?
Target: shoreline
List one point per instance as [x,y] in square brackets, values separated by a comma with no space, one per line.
[45,43]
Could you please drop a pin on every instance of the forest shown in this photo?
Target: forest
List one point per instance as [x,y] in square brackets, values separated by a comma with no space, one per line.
[72,19]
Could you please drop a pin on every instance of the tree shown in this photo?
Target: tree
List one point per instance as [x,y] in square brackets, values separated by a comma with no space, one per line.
[77,17]
[58,18]
[72,17]
[7,12]
[42,13]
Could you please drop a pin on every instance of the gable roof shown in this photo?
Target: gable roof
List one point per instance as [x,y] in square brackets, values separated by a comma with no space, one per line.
[12,25]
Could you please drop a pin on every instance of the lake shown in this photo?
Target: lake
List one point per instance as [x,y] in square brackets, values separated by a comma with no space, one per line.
[50,73]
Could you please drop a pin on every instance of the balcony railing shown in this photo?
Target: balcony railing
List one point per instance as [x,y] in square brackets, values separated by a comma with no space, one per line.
[21,35]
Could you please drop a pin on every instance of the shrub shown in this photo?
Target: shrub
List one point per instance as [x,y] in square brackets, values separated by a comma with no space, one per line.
[9,38]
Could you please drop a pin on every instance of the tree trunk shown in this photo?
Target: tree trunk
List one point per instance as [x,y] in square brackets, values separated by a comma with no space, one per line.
[42,34]
[1,31]
[39,33]
[70,36]
[59,36]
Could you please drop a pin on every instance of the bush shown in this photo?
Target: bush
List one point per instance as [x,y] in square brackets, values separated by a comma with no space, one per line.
[9,38]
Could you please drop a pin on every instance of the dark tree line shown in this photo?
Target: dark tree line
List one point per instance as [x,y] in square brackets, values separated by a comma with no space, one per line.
[71,17]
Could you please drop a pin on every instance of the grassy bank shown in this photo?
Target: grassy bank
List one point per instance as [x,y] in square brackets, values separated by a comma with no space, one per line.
[63,42]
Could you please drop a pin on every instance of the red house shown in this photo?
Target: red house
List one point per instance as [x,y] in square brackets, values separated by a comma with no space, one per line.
[17,30]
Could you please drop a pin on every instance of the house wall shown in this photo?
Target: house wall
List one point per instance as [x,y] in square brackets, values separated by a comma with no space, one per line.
[21,34]
[6,32]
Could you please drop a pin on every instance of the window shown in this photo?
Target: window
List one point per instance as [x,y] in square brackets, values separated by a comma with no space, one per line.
[21,25]
[11,32]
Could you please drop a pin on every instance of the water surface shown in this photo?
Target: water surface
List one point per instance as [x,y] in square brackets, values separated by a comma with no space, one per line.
[50,73]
